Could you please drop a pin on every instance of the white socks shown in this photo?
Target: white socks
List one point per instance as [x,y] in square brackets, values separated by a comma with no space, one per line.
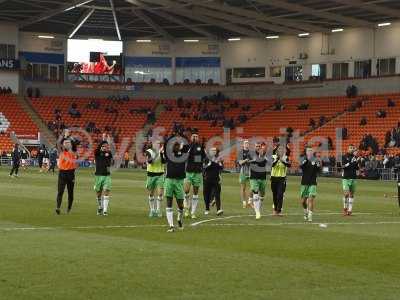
[170,216]
[151,203]
[345,205]
[158,203]
[195,200]
[350,204]
[257,203]
[106,200]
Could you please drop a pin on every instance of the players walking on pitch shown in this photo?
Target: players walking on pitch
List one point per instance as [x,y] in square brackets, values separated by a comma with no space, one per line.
[212,181]
[280,164]
[194,169]
[243,159]
[310,166]
[15,160]
[155,178]
[174,157]
[350,163]
[66,175]
[102,186]
[258,177]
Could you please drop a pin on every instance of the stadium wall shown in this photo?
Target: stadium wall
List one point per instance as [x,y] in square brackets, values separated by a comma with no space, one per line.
[29,42]
[348,46]
[9,35]
[246,91]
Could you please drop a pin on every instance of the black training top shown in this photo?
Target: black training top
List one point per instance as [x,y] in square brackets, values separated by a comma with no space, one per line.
[212,170]
[310,169]
[350,166]
[258,166]
[16,155]
[103,162]
[196,157]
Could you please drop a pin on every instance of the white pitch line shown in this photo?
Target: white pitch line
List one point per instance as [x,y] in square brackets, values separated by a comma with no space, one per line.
[302,223]
[79,227]
[204,223]
[268,215]
[5,229]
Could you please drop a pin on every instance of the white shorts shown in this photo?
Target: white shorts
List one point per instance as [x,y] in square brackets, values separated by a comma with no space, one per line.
[45,161]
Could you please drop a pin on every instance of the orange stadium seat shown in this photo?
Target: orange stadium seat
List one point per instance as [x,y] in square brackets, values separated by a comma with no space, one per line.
[20,123]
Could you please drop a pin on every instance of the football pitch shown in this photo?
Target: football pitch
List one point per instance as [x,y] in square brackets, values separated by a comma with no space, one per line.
[129,256]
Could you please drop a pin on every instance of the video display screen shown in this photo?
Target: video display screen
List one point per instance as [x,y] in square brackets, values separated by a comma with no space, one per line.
[94,57]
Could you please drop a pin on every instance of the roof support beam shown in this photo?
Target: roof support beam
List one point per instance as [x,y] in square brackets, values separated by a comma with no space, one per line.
[152,24]
[115,19]
[177,10]
[314,12]
[32,4]
[184,24]
[51,13]
[81,21]
[297,25]
[245,21]
[370,6]
[171,19]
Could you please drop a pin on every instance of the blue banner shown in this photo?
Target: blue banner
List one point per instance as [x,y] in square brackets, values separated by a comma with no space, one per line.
[197,62]
[9,64]
[43,58]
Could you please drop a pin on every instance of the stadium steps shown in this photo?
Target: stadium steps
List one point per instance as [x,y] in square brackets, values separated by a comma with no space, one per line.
[46,135]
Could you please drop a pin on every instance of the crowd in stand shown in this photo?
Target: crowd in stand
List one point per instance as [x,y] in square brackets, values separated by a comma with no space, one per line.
[368,142]
[392,137]
[5,91]
[58,124]
[213,109]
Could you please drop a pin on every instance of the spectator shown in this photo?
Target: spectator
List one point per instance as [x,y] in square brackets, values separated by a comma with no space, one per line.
[278,105]
[351,91]
[312,123]
[344,133]
[381,113]
[303,106]
[322,120]
[73,111]
[126,159]
[330,143]
[368,142]
[391,103]
[363,121]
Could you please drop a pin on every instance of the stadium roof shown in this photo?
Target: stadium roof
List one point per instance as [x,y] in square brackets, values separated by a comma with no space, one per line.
[170,19]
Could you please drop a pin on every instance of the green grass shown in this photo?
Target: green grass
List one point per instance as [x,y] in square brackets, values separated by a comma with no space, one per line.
[77,257]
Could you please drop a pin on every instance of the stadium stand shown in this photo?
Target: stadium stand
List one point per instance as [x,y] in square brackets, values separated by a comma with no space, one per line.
[268,118]
[375,126]
[188,115]
[14,119]
[116,118]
